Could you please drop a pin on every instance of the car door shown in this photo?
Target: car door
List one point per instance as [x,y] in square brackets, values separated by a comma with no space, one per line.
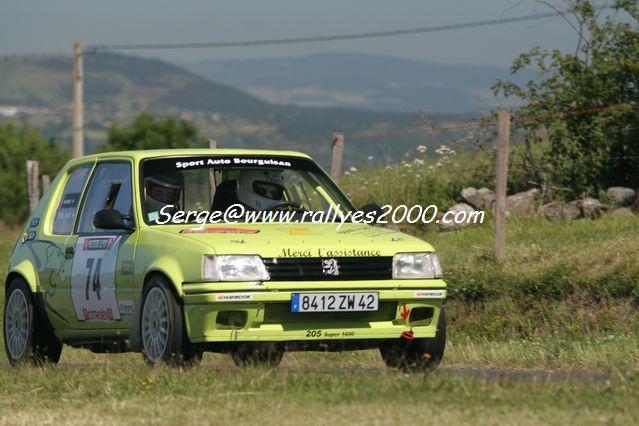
[102,267]
[51,252]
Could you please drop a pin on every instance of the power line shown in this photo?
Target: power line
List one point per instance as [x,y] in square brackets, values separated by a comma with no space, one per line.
[326,38]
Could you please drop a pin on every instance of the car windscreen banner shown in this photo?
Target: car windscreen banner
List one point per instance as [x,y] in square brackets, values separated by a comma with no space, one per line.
[174,164]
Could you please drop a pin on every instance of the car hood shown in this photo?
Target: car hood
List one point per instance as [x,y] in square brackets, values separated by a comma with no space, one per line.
[299,240]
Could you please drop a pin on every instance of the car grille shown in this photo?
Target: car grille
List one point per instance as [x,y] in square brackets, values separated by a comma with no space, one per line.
[329,269]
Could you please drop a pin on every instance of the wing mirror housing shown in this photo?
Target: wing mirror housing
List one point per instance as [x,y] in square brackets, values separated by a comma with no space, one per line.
[111,219]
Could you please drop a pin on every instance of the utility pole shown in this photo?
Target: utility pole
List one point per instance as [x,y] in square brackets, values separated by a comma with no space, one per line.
[501,172]
[78,113]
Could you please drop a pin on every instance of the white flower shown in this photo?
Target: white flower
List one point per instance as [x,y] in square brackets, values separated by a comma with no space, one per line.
[421,149]
[443,150]
[353,169]
[346,173]
[418,161]
[388,168]
[418,176]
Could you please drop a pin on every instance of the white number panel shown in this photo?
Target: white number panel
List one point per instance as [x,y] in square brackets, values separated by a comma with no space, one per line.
[93,278]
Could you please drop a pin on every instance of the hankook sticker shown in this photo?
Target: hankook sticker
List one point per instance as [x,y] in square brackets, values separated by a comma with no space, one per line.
[233,297]
[431,294]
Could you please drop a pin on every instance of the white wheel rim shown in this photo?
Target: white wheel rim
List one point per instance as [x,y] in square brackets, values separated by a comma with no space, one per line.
[16,324]
[155,324]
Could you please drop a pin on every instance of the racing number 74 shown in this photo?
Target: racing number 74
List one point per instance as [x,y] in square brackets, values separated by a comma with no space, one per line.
[93,277]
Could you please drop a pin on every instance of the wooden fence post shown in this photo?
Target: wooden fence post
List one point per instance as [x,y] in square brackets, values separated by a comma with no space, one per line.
[46,182]
[501,180]
[212,144]
[337,151]
[33,190]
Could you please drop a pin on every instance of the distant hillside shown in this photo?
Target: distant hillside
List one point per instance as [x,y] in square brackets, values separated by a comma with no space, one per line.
[378,83]
[117,87]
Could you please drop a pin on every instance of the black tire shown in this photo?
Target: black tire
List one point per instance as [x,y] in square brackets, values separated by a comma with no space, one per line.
[414,355]
[162,330]
[257,355]
[27,336]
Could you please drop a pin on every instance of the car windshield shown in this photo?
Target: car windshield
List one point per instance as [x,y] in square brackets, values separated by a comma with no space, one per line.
[256,183]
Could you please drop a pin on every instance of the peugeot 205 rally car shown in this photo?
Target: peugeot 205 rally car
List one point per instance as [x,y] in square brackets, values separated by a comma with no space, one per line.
[164,252]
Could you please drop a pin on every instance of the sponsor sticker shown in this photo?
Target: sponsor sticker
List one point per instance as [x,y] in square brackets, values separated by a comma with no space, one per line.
[299,231]
[431,294]
[127,267]
[126,307]
[70,200]
[98,243]
[231,160]
[325,253]
[233,297]
[97,314]
[219,230]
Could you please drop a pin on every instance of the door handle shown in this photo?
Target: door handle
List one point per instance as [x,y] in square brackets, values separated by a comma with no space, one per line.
[69,252]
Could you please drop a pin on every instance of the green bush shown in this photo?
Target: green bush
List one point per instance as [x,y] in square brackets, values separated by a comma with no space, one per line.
[17,145]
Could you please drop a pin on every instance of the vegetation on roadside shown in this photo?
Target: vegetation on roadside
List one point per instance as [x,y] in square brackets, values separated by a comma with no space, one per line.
[149,132]
[585,104]
[17,145]
[569,279]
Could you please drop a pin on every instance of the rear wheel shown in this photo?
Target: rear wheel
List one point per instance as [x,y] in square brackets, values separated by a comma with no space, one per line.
[26,336]
[162,328]
[257,354]
[412,355]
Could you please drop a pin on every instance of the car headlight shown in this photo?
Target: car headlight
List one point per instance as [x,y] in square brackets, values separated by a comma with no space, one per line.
[416,265]
[234,268]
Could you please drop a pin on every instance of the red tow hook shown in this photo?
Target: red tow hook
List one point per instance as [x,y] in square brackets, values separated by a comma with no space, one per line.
[408,335]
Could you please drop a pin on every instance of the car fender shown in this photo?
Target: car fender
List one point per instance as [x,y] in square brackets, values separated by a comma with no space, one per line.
[27,271]
[168,267]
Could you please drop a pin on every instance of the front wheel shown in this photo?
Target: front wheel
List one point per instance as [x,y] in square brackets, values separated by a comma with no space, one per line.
[413,355]
[162,328]
[26,337]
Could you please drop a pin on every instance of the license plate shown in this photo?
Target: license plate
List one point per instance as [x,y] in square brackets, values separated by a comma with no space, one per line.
[334,302]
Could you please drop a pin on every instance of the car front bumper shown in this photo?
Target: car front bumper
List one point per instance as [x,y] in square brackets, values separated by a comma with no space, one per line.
[241,312]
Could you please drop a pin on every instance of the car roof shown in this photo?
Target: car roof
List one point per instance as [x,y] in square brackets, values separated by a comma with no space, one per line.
[154,153]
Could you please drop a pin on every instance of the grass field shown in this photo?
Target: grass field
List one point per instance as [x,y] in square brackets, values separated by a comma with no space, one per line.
[565,300]
[299,393]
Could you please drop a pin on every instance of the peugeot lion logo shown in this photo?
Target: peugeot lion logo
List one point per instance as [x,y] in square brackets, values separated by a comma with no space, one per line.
[330,267]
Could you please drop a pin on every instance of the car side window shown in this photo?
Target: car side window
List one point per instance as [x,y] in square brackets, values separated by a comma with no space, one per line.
[68,207]
[110,188]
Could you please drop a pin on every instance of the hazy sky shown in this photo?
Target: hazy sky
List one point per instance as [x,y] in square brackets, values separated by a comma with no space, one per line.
[51,26]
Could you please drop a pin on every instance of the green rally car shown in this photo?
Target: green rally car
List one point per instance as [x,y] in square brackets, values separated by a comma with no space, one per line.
[174,252]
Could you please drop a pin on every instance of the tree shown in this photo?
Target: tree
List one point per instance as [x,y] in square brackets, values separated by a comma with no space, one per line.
[148,132]
[18,144]
[587,103]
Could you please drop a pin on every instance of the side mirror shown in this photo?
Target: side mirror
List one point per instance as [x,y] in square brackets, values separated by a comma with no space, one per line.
[110,219]
[376,209]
